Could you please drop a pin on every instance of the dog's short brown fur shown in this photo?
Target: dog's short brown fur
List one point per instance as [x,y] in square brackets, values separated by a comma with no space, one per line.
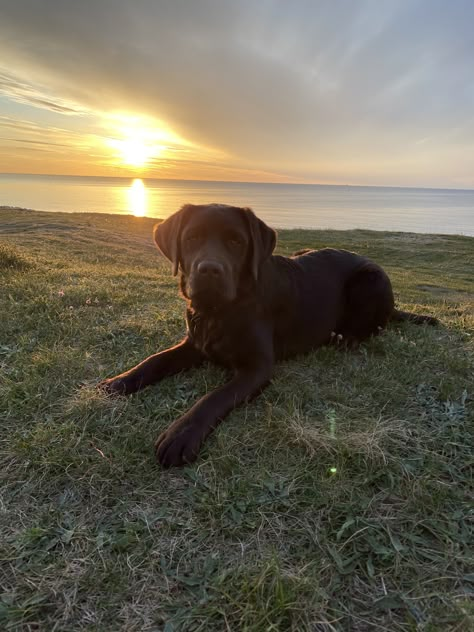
[247,308]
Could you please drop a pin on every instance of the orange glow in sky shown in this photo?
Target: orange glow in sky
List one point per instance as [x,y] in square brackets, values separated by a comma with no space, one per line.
[289,92]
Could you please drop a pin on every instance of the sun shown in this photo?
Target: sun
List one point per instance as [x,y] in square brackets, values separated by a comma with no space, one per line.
[137,142]
[137,146]
[135,152]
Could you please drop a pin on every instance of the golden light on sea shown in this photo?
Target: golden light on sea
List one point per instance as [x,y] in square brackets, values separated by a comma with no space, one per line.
[137,198]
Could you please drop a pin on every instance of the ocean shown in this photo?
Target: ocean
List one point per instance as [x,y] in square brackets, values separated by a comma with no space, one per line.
[445,211]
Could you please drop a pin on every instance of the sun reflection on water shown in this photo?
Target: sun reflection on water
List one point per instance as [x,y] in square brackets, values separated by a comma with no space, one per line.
[137,198]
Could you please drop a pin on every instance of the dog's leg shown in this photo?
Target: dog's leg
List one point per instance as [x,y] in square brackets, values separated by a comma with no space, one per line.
[368,304]
[153,369]
[181,442]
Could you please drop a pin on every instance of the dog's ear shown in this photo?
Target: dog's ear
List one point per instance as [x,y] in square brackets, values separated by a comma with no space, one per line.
[262,238]
[167,236]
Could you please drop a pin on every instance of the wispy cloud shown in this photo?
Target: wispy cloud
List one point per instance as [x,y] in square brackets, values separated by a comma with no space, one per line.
[24,91]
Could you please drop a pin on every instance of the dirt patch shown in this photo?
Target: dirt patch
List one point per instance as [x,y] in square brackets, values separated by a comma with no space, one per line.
[21,227]
[440,289]
[417,238]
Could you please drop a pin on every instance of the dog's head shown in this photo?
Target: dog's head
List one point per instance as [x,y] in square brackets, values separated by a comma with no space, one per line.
[218,249]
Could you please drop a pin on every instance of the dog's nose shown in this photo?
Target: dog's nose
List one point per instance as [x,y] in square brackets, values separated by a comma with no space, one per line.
[210,269]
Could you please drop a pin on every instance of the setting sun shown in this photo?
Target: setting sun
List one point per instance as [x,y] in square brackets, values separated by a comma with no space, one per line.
[137,142]
[135,152]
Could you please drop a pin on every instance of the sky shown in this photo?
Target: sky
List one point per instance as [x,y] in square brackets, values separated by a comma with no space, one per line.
[362,92]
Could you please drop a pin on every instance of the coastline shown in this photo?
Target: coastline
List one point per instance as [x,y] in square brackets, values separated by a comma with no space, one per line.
[153,219]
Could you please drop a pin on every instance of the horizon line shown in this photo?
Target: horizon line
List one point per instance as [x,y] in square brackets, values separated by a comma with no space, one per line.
[321,184]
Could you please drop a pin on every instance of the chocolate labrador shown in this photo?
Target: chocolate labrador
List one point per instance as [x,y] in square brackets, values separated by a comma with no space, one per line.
[247,308]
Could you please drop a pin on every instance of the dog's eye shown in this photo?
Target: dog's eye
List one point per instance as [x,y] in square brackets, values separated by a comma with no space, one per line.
[192,238]
[233,240]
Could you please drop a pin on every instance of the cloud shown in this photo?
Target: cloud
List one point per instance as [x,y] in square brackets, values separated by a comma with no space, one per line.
[24,91]
[34,142]
[276,84]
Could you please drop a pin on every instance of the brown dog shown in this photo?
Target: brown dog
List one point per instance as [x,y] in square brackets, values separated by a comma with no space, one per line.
[247,308]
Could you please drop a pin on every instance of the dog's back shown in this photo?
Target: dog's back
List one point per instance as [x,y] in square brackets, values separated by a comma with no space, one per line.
[306,296]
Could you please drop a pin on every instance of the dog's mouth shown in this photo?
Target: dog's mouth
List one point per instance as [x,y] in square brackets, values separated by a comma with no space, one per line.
[208,296]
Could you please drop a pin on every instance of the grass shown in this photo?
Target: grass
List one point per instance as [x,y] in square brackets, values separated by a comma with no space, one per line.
[261,533]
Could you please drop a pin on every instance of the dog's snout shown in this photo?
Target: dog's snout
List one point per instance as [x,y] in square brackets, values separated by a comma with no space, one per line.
[210,269]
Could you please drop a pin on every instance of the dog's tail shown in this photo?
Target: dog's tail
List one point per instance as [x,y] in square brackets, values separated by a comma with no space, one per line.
[399,315]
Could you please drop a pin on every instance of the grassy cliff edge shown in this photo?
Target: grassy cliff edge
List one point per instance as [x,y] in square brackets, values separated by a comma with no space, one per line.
[337,500]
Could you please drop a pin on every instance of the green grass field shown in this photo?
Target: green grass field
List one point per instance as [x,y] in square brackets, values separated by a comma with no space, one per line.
[260,534]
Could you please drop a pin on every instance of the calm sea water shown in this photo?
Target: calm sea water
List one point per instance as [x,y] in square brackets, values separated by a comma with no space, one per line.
[449,211]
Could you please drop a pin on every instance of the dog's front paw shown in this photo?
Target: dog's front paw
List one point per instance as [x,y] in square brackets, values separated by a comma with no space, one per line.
[119,385]
[178,445]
